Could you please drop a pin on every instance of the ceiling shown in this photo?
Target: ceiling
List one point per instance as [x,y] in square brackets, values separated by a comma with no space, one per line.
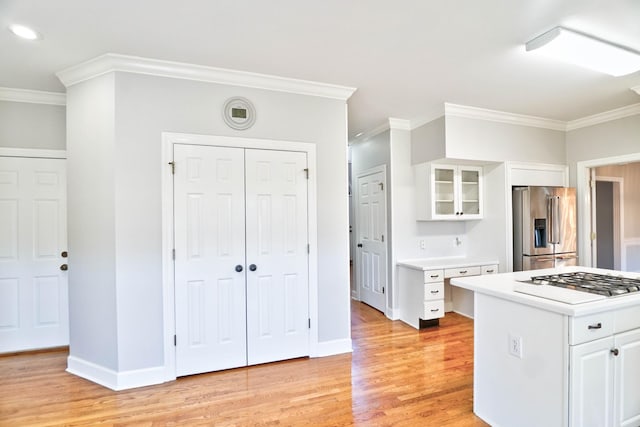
[406,57]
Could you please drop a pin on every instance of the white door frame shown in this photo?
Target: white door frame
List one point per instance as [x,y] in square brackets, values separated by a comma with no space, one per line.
[169,139]
[618,222]
[584,200]
[358,259]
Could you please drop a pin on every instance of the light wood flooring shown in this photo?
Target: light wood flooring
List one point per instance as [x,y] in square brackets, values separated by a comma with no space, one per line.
[396,376]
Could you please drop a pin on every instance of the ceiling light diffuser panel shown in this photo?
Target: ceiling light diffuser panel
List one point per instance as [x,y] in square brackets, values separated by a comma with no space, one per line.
[585,51]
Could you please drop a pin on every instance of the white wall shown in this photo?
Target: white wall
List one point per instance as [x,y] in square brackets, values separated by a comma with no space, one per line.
[28,125]
[145,106]
[605,143]
[91,211]
[610,139]
[373,152]
[489,141]
[428,142]
[488,237]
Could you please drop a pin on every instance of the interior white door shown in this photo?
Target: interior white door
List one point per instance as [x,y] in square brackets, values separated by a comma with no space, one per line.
[241,257]
[371,228]
[209,247]
[277,256]
[33,235]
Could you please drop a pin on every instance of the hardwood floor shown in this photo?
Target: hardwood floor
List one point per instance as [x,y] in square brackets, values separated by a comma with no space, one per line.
[396,376]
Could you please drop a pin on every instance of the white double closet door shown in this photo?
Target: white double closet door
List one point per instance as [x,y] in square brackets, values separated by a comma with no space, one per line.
[241,260]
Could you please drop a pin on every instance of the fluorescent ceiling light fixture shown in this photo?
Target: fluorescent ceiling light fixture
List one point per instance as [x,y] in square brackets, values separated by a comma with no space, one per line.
[586,51]
[24,32]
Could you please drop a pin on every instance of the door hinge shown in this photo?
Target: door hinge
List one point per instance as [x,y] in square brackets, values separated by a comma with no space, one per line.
[173,168]
[306,171]
[309,323]
[593,236]
[382,238]
[173,254]
[175,340]
[308,248]
[383,289]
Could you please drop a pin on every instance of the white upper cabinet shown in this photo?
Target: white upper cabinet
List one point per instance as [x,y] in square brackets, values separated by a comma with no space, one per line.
[446,192]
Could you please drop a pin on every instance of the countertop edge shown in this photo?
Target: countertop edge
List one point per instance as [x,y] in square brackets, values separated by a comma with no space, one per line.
[503,287]
[424,264]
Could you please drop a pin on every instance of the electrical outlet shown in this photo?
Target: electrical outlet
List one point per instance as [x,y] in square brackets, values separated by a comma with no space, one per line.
[423,244]
[515,346]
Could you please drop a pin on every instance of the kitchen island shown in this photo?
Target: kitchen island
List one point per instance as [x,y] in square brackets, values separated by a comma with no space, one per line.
[548,356]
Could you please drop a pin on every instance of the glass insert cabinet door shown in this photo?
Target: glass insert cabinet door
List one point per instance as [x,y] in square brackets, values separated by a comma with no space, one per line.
[469,192]
[444,189]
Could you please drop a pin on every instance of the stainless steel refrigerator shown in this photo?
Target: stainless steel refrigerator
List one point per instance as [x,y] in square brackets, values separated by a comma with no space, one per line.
[544,227]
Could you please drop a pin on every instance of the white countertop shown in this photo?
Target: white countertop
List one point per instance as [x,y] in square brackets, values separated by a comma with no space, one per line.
[582,303]
[443,263]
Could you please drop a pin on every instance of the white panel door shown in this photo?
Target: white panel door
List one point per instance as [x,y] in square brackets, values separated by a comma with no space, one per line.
[627,380]
[371,227]
[33,235]
[277,257]
[209,245]
[591,384]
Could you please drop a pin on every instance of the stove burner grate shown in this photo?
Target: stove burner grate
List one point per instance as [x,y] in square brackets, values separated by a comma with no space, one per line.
[596,283]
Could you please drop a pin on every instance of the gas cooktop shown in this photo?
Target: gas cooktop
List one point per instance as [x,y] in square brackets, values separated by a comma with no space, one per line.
[594,283]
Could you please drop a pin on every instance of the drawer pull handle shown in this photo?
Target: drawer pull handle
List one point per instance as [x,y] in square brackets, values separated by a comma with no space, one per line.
[435,292]
[615,351]
[435,310]
[463,271]
[490,271]
[596,326]
[433,276]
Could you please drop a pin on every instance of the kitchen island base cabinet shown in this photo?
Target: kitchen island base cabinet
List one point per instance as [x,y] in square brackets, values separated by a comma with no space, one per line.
[605,381]
[535,367]
[529,390]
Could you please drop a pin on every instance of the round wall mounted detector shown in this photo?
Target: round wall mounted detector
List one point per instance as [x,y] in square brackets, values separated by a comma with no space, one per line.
[239,113]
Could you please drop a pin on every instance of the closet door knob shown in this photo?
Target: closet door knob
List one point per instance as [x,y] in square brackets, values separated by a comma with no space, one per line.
[238,268]
[253,267]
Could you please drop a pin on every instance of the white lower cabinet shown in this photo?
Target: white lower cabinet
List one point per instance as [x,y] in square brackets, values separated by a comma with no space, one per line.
[423,295]
[604,380]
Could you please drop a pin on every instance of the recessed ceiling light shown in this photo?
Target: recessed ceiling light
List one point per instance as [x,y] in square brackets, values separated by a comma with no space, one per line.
[25,32]
[586,51]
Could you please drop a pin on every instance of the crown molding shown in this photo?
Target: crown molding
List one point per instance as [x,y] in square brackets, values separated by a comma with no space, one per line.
[607,116]
[132,64]
[32,96]
[502,117]
[399,124]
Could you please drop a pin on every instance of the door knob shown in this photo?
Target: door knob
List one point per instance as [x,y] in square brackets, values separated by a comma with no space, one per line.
[64,254]
[238,268]
[253,267]
[359,245]
[64,267]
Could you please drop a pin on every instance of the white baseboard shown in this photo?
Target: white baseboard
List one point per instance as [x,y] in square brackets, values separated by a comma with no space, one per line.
[467,315]
[331,348]
[115,380]
[393,313]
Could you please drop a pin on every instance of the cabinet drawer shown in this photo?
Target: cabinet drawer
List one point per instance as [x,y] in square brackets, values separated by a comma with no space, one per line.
[627,319]
[490,269]
[591,327]
[431,276]
[462,271]
[433,291]
[433,309]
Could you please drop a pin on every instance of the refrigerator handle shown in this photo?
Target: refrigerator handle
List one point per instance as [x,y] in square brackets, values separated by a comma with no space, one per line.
[550,221]
[554,235]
